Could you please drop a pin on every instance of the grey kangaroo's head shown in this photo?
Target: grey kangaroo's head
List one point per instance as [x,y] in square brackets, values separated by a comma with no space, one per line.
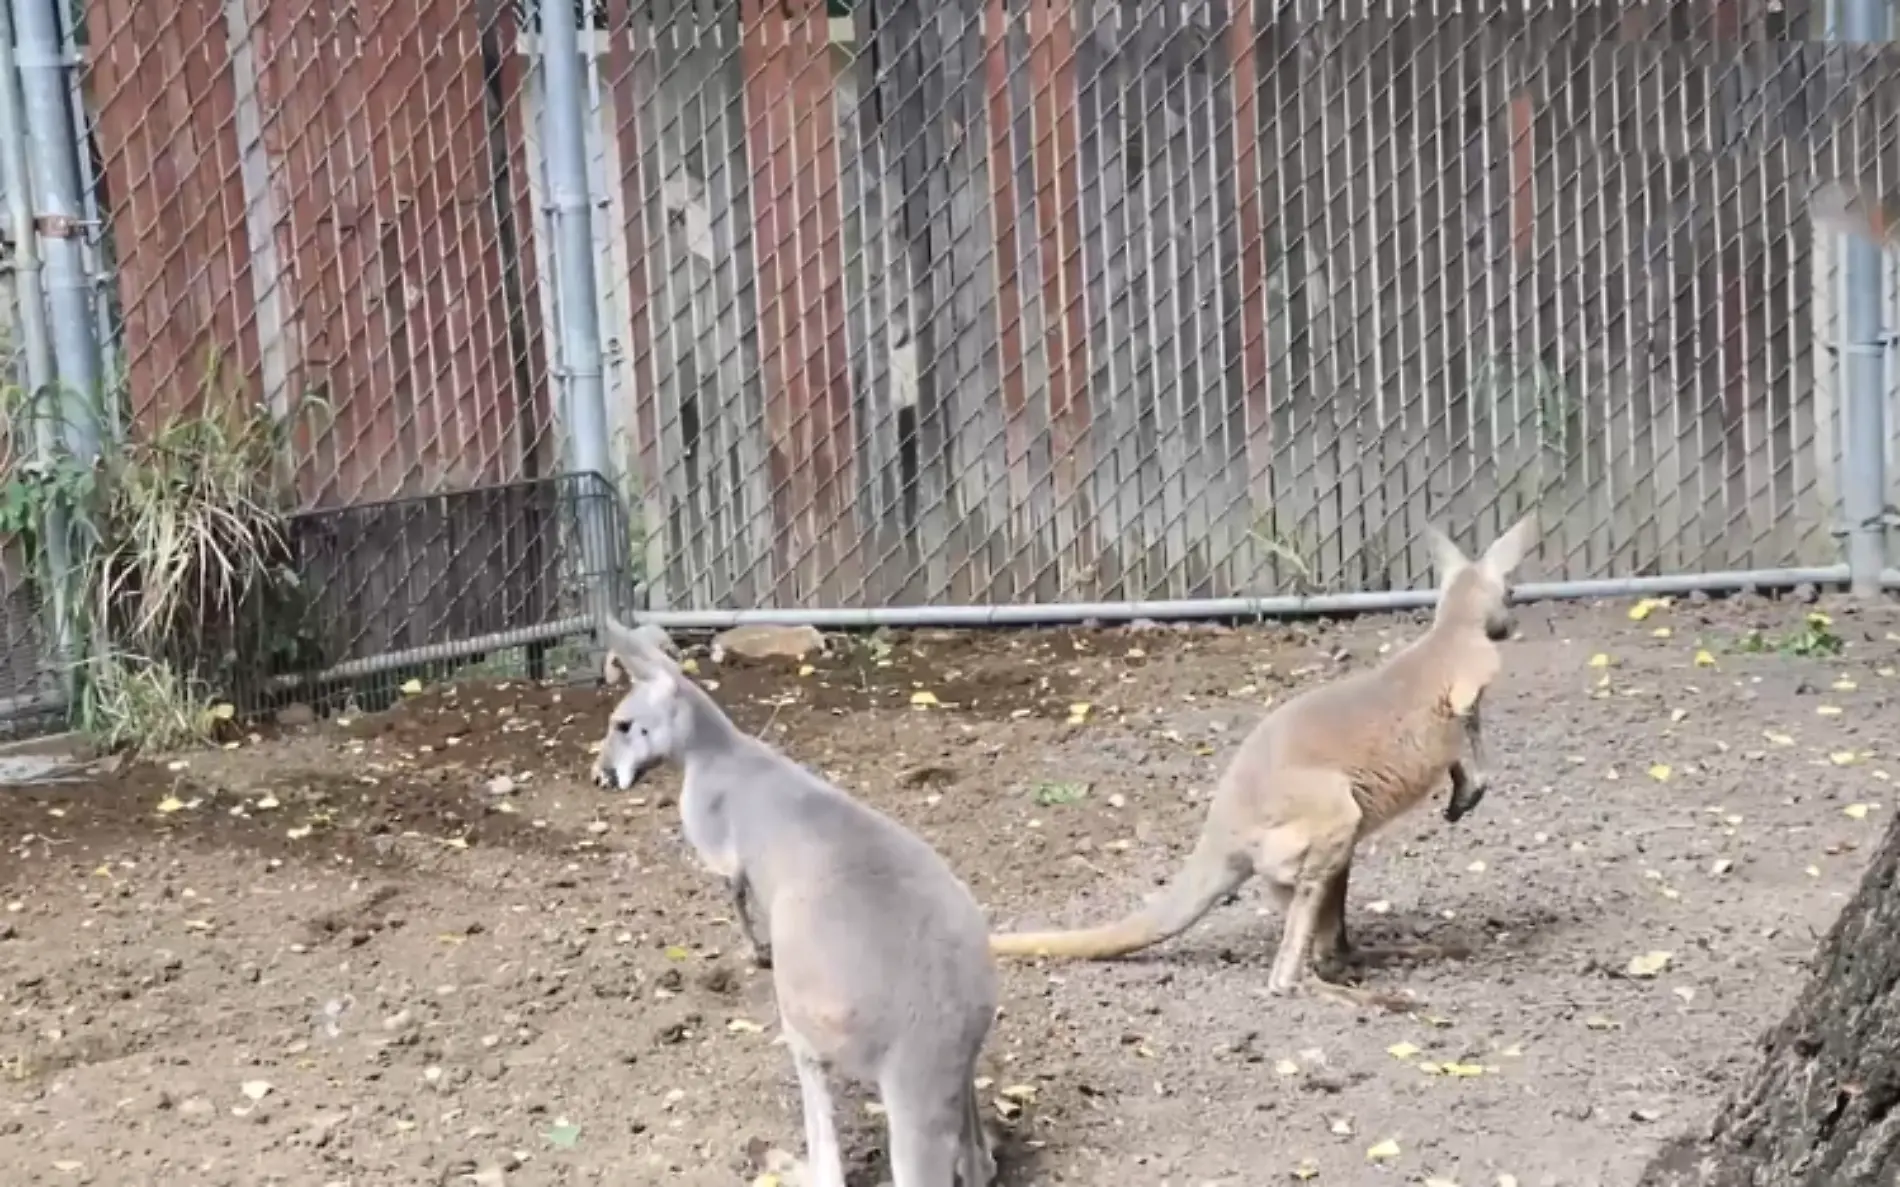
[649,725]
[1478,593]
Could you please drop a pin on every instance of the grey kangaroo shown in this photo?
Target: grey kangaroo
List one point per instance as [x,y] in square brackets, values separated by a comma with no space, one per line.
[1329,768]
[879,952]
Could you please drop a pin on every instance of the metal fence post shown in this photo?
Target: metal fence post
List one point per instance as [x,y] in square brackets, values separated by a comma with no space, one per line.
[564,115]
[29,301]
[1863,24]
[61,219]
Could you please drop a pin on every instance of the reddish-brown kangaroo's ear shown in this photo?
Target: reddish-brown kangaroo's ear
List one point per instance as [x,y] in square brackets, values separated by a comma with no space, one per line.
[1509,550]
[1446,556]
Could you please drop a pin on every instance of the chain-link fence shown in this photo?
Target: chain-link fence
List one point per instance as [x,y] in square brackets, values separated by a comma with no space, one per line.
[992,301]
[986,303]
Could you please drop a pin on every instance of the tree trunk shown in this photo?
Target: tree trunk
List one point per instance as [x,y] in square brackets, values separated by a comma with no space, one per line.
[1819,1110]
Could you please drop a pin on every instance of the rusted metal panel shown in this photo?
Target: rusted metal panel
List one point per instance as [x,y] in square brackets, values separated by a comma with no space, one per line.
[632,93]
[792,133]
[165,127]
[1065,332]
[1245,51]
[377,127]
[1009,295]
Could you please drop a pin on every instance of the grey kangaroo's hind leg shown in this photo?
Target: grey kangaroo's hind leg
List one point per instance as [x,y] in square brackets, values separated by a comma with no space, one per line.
[824,1159]
[977,1166]
[929,1109]
[742,904]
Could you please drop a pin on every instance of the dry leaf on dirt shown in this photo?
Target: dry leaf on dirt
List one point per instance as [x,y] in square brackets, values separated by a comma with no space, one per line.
[1856,811]
[1660,772]
[1648,964]
[1703,659]
[1600,660]
[1383,1151]
[1306,1171]
[923,698]
[1643,608]
[744,1026]
[1079,712]
[170,804]
[1401,1050]
[411,688]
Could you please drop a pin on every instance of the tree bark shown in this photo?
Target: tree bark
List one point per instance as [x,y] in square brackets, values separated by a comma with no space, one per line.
[1819,1110]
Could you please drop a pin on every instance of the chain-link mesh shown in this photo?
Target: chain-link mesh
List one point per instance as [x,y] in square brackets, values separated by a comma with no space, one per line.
[994,301]
[325,201]
[1007,300]
[329,214]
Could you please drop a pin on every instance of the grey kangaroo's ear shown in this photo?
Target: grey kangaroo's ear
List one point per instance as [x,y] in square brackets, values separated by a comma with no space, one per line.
[1447,558]
[615,669]
[641,650]
[1509,550]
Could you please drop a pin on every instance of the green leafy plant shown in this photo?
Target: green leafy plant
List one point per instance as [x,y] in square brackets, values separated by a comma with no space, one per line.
[1814,637]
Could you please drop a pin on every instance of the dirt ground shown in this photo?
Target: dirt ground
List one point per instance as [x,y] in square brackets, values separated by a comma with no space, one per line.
[419,948]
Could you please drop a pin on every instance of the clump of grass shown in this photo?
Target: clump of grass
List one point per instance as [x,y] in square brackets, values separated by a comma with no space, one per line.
[140,704]
[177,538]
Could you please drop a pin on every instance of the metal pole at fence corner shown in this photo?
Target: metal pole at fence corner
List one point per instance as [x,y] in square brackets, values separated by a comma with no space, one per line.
[564,115]
[1864,345]
[29,302]
[60,217]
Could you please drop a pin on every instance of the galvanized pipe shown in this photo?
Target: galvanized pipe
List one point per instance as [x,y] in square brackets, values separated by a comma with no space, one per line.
[1051,614]
[55,561]
[61,221]
[1862,26]
[564,116]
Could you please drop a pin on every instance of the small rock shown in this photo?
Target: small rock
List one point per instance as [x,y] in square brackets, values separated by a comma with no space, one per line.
[295,715]
[501,785]
[8,932]
[1806,593]
[770,642]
